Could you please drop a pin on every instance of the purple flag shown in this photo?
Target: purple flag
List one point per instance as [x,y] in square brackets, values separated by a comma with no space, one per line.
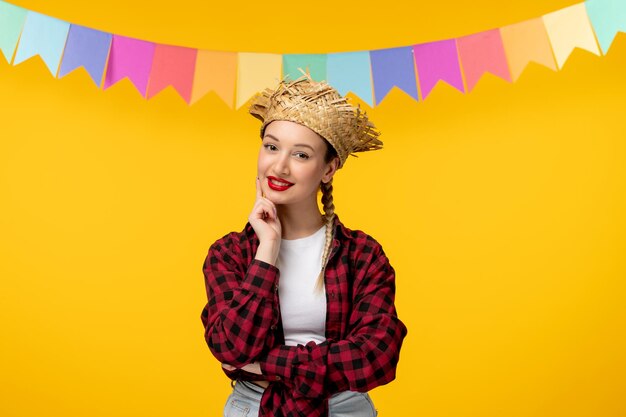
[130,58]
[88,48]
[437,61]
[393,67]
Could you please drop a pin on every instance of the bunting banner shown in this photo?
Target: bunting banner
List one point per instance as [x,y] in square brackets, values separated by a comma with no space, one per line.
[87,48]
[235,77]
[438,61]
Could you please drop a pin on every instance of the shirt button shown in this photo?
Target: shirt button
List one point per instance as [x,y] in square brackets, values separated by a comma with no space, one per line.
[276,288]
[277,378]
[273,327]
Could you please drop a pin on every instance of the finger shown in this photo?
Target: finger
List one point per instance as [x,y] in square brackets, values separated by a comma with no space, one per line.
[259,193]
[266,206]
[271,207]
[261,212]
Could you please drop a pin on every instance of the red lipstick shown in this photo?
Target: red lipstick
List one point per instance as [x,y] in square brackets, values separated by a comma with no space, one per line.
[284,184]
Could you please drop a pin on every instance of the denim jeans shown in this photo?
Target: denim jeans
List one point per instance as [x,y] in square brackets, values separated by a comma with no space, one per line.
[246,397]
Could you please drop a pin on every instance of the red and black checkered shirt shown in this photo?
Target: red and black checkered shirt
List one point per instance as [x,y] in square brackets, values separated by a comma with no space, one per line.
[363,333]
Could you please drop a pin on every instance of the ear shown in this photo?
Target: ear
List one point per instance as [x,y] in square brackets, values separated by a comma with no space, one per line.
[330,170]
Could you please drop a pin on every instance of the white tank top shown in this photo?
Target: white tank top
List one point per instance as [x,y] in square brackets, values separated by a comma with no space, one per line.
[302,308]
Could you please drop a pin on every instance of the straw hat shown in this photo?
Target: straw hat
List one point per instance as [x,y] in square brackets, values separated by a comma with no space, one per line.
[322,109]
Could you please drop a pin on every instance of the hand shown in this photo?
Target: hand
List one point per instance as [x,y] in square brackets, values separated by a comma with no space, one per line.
[253,368]
[266,224]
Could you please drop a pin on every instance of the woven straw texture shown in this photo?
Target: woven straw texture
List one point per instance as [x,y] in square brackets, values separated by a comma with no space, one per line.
[322,109]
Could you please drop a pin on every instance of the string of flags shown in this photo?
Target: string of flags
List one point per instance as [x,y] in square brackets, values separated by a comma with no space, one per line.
[236,76]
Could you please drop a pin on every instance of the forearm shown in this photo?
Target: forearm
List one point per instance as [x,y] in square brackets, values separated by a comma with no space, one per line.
[239,315]
[360,362]
[268,252]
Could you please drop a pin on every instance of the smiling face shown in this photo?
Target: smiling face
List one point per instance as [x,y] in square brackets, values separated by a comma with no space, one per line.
[292,163]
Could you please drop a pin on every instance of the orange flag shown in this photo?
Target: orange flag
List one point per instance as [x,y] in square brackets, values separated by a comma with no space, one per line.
[215,71]
[527,41]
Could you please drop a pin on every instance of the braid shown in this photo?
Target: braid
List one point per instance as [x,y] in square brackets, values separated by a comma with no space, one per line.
[329,215]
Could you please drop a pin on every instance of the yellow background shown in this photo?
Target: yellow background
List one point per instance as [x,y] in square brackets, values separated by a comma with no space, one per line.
[502,211]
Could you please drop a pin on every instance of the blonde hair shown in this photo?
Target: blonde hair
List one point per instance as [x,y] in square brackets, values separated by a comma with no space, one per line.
[328,217]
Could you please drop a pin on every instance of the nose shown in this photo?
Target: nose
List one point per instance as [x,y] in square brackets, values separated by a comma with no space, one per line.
[281,167]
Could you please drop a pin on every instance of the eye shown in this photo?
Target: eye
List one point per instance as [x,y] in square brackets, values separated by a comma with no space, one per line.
[301,155]
[270,146]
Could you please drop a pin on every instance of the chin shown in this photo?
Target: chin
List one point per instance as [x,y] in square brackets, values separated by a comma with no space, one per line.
[277,197]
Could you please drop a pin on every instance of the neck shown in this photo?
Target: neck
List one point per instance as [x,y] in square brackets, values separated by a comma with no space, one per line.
[298,222]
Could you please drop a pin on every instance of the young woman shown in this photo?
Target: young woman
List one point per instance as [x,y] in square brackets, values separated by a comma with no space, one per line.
[300,308]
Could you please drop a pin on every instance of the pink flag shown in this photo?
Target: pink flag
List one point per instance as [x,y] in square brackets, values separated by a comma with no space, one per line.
[482,52]
[437,61]
[175,66]
[130,58]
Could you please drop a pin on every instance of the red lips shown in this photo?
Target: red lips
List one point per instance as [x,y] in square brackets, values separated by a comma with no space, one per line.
[284,184]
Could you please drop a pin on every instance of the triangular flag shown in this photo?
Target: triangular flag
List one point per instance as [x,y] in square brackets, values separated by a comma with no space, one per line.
[608,17]
[130,58]
[44,36]
[569,28]
[482,52]
[215,71]
[437,61]
[393,67]
[175,66]
[88,48]
[315,63]
[256,72]
[11,22]
[351,71]
[524,42]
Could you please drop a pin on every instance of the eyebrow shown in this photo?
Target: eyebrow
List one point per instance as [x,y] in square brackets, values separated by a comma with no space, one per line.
[269,135]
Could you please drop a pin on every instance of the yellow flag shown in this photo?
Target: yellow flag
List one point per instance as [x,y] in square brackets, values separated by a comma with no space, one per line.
[569,28]
[256,72]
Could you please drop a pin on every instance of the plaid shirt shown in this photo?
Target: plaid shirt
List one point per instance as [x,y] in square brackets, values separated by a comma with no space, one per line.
[363,333]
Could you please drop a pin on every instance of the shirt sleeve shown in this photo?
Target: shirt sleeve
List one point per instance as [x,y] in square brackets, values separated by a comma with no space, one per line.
[241,307]
[368,355]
